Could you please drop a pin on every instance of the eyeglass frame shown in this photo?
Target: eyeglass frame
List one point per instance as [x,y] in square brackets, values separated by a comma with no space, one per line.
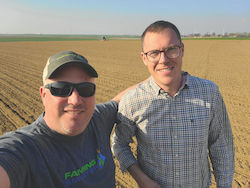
[164,51]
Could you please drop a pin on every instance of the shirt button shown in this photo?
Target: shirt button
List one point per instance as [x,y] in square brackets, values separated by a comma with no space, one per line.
[175,137]
[176,155]
[177,173]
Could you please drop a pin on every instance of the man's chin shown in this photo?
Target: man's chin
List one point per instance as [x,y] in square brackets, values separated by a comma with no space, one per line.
[73,131]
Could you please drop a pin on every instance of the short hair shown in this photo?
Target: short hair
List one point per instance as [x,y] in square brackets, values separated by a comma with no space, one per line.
[158,27]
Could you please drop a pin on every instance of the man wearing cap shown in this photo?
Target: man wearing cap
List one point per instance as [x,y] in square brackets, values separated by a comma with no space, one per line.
[69,143]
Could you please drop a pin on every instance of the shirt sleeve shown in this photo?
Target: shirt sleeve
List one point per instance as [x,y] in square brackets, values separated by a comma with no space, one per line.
[123,136]
[220,144]
[11,159]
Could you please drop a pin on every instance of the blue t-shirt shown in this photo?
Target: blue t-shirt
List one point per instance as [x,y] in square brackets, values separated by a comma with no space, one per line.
[36,156]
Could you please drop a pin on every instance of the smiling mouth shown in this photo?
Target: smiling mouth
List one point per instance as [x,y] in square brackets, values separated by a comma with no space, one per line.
[166,69]
[74,112]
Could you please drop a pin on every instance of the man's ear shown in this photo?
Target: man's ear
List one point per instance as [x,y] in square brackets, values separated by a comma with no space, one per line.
[182,48]
[144,59]
[42,93]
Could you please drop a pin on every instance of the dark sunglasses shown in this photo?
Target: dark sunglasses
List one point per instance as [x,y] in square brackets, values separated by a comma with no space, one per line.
[65,89]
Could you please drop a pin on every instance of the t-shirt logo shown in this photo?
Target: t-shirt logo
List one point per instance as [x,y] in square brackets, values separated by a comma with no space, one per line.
[101,158]
[87,169]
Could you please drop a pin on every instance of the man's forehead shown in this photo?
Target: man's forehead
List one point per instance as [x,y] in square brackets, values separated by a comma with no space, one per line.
[155,40]
[168,32]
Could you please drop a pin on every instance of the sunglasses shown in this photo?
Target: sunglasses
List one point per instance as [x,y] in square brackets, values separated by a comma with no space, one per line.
[65,89]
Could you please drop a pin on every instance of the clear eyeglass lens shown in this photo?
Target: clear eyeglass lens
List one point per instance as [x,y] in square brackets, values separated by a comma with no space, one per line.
[154,56]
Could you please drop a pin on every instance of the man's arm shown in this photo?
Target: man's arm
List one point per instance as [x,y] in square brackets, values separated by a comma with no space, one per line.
[4,179]
[124,132]
[141,178]
[122,151]
[221,147]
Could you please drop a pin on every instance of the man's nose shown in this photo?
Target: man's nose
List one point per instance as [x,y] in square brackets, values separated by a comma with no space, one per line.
[74,98]
[163,57]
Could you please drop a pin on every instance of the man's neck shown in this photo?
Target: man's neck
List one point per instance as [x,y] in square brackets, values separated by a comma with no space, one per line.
[174,87]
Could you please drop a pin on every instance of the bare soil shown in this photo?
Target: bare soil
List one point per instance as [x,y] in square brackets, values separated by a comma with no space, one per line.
[118,63]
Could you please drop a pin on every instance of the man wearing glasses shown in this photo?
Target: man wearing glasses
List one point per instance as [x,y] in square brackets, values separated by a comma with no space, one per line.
[69,144]
[179,121]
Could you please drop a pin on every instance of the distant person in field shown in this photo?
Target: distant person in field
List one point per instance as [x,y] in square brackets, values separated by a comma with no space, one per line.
[69,144]
[179,121]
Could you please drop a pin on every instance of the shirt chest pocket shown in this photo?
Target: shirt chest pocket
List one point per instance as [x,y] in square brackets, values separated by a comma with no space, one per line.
[195,131]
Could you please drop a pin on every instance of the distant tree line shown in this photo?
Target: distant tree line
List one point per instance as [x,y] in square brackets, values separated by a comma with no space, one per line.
[225,35]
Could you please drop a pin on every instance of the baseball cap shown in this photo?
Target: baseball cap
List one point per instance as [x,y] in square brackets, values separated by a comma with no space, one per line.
[58,60]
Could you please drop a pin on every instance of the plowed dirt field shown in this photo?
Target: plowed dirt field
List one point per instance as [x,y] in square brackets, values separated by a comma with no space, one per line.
[118,63]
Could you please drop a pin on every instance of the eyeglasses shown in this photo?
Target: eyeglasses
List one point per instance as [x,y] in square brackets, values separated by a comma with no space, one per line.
[65,89]
[155,55]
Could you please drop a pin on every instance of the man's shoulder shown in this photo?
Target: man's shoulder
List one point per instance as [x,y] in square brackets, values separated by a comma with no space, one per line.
[197,83]
[105,111]
[141,90]
[106,106]
[23,133]
[104,117]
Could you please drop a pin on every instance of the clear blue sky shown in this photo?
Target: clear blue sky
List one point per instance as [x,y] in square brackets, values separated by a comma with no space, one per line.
[122,16]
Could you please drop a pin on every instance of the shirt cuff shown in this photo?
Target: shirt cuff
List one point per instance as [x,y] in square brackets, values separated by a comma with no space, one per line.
[126,160]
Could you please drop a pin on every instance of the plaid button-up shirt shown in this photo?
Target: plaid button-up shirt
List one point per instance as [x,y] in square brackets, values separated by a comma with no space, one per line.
[176,135]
